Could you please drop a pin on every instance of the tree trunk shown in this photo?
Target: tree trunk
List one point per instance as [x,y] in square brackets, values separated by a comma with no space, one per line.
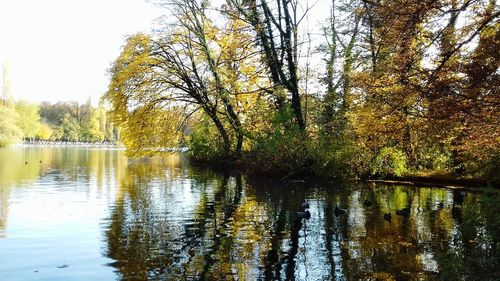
[222,131]
[293,83]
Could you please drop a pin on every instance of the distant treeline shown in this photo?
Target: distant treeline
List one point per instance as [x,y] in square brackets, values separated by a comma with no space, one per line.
[62,121]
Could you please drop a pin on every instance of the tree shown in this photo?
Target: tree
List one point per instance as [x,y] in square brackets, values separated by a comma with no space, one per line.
[9,132]
[6,86]
[53,113]
[70,128]
[45,132]
[103,121]
[136,94]
[277,31]
[418,86]
[341,35]
[196,66]
[464,81]
[29,118]
[89,123]
[417,77]
[90,127]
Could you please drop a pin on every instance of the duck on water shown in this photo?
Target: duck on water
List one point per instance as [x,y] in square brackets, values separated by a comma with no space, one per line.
[303,213]
[405,212]
[338,211]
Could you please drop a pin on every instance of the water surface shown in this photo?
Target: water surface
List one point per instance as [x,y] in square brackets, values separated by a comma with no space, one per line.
[93,214]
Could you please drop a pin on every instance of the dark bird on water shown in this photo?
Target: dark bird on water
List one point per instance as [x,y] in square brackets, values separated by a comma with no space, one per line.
[304,215]
[338,211]
[387,216]
[304,205]
[405,212]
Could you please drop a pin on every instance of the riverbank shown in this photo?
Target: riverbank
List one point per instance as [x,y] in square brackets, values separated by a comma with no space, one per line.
[452,183]
[417,179]
[240,166]
[69,143]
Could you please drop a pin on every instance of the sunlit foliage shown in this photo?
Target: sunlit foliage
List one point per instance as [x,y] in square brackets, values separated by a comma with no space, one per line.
[71,121]
[29,118]
[408,86]
[197,66]
[9,131]
[429,81]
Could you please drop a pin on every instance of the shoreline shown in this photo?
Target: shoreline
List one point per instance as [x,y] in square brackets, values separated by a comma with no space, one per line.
[428,181]
[449,182]
[67,144]
[445,182]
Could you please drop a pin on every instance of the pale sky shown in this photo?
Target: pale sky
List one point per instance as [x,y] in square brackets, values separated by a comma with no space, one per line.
[59,50]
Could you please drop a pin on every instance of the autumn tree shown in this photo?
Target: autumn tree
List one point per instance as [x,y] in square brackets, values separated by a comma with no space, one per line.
[416,87]
[10,133]
[391,106]
[342,56]
[407,80]
[276,25]
[29,118]
[462,83]
[194,65]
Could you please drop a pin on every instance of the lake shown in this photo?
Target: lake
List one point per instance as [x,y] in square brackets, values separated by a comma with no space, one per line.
[94,214]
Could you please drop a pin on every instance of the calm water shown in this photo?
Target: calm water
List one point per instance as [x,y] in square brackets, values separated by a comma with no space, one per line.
[93,214]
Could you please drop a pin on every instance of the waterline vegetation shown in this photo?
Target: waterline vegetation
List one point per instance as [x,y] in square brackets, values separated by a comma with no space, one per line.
[374,93]
[405,87]
[62,122]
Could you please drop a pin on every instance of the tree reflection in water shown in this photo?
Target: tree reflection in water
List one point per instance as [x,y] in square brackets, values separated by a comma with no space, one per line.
[173,223]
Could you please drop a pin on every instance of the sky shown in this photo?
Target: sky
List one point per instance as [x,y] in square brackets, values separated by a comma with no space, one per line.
[60,50]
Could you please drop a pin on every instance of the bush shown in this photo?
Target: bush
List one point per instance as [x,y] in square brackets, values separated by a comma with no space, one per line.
[493,170]
[280,149]
[433,156]
[280,153]
[204,142]
[287,152]
[389,161]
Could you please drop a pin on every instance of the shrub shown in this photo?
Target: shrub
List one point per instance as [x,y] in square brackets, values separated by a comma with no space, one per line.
[389,161]
[433,156]
[493,170]
[287,152]
[204,142]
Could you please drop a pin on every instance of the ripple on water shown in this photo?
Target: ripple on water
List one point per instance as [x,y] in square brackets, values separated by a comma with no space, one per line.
[96,215]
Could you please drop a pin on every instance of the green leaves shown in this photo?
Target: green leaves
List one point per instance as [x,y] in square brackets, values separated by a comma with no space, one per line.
[389,161]
[10,133]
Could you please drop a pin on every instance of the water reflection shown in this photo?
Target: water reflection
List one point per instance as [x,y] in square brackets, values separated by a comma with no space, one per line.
[51,203]
[206,226]
[159,219]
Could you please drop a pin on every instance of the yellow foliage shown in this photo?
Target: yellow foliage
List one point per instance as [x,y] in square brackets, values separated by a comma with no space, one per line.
[45,132]
[149,130]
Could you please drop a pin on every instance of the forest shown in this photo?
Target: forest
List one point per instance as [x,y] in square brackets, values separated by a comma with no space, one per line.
[61,121]
[384,88]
